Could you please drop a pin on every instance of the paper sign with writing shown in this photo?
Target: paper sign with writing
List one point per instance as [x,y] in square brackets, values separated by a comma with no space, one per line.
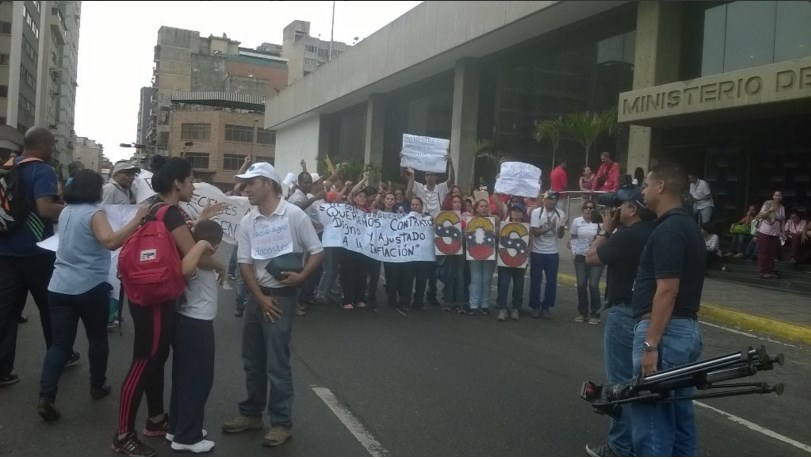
[513,245]
[383,236]
[448,233]
[580,245]
[236,207]
[271,238]
[480,239]
[518,179]
[424,153]
[142,186]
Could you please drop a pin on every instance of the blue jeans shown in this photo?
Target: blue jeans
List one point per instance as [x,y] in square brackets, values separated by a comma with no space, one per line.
[546,263]
[65,311]
[618,347]
[740,242]
[505,275]
[232,262]
[667,429]
[454,290]
[330,271]
[588,284]
[266,358]
[481,280]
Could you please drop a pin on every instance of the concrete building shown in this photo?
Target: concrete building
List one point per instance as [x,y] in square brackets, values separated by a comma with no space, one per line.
[304,53]
[90,153]
[144,109]
[39,43]
[690,81]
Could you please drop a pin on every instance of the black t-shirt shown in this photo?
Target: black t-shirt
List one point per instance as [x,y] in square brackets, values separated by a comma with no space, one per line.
[675,249]
[174,216]
[621,254]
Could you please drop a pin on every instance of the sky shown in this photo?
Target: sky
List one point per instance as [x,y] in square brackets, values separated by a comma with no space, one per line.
[116,42]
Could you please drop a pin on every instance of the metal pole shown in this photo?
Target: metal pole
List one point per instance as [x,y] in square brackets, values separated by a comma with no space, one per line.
[331,32]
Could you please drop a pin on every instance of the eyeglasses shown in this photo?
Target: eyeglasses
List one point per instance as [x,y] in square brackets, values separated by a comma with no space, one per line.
[588,208]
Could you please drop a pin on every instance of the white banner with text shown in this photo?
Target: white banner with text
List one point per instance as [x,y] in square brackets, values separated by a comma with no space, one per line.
[424,153]
[518,179]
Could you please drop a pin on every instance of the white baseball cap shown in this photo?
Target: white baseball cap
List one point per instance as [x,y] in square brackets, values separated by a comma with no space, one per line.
[261,169]
[120,167]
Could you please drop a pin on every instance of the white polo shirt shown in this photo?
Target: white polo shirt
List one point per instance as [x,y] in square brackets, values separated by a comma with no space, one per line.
[303,235]
[546,243]
[431,199]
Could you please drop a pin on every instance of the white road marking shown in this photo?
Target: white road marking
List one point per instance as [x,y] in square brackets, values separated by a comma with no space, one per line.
[352,423]
[756,428]
[749,335]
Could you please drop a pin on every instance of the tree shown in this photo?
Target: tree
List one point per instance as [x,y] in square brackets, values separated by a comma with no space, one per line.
[482,149]
[551,129]
[586,127]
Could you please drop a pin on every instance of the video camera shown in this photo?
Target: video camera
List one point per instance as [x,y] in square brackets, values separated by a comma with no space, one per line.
[703,375]
[612,200]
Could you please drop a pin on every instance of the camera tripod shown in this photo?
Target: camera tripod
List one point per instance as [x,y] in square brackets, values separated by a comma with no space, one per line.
[703,375]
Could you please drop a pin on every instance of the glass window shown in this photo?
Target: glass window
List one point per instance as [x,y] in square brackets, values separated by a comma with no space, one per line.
[265,137]
[5,27]
[236,133]
[197,160]
[232,162]
[714,39]
[195,131]
[792,38]
[744,46]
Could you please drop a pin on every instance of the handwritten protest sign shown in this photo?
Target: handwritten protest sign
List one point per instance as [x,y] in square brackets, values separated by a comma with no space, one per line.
[383,236]
[142,186]
[424,153]
[580,245]
[480,239]
[270,239]
[448,233]
[518,179]
[236,207]
[513,245]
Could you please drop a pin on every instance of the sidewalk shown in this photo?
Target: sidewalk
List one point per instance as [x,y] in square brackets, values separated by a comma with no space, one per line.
[763,311]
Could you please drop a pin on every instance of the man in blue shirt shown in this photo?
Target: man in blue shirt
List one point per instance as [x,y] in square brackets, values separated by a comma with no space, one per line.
[665,302]
[24,266]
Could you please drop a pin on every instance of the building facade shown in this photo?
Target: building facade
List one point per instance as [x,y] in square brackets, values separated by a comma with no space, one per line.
[304,53]
[689,81]
[90,153]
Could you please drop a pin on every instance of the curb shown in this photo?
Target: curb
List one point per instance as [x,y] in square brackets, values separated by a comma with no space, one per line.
[713,312]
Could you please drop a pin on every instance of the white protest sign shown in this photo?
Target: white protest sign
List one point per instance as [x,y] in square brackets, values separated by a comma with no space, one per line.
[142,186]
[424,153]
[289,180]
[236,207]
[580,245]
[518,179]
[384,236]
[270,239]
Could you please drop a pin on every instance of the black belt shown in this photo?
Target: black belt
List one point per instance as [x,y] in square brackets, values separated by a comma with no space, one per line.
[281,291]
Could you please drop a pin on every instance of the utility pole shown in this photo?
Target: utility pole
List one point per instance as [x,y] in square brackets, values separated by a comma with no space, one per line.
[331,32]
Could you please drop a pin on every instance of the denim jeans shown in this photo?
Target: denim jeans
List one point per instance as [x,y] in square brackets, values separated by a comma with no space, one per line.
[505,275]
[232,262]
[546,263]
[751,248]
[481,280]
[330,273]
[618,347]
[740,242]
[588,284]
[667,429]
[66,310]
[454,291]
[266,358]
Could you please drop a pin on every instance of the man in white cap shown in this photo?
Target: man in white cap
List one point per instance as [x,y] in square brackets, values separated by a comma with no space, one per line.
[272,238]
[118,190]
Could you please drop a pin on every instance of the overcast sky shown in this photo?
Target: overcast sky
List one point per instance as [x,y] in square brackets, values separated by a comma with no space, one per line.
[117,39]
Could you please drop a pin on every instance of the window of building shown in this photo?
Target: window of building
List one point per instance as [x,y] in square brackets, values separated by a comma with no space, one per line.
[2,120]
[310,62]
[236,133]
[232,162]
[25,105]
[197,160]
[3,91]
[264,159]
[195,131]
[28,78]
[311,49]
[266,137]
[323,53]
[29,50]
[5,27]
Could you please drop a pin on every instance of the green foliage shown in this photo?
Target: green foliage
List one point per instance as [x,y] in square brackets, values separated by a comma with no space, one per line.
[483,153]
[582,127]
[551,129]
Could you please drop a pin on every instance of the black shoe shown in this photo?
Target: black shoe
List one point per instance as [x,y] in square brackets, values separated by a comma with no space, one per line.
[100,392]
[484,311]
[9,380]
[22,319]
[157,429]
[74,360]
[47,410]
[131,445]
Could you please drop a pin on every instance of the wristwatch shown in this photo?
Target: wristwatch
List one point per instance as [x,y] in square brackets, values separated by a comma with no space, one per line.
[647,347]
[603,232]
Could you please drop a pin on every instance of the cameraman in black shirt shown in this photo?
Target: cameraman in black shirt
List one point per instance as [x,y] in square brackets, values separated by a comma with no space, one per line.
[620,251]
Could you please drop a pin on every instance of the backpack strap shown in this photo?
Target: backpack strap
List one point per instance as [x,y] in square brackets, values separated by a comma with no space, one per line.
[160,215]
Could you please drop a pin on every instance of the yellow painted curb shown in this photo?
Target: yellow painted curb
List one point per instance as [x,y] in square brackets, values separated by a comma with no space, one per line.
[785,330]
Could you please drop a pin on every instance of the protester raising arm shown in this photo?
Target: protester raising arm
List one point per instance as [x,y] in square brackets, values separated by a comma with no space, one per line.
[410,187]
[451,171]
[238,186]
[359,186]
[192,259]
[112,240]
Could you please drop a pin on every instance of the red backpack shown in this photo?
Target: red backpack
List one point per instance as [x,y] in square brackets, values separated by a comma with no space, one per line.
[149,263]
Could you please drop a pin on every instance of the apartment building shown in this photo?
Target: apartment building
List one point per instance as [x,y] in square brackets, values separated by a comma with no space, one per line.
[90,153]
[305,53]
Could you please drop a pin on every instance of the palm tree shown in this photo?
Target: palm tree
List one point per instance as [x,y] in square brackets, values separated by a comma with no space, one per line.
[552,130]
[586,127]
[482,149]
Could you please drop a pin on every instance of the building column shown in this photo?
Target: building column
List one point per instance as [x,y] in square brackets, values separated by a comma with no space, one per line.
[464,122]
[656,62]
[375,129]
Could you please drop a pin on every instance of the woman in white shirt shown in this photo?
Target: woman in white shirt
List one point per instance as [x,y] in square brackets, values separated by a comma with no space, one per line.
[583,231]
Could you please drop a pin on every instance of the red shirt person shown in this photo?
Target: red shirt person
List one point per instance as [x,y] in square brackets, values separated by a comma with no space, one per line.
[559,178]
[608,176]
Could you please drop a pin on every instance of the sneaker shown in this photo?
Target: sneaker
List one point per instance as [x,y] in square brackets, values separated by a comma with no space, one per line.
[580,318]
[600,451]
[320,301]
[277,435]
[473,312]
[738,255]
[546,315]
[157,429]
[74,360]
[131,445]
[594,321]
[111,326]
[232,276]
[242,423]
[171,437]
[301,310]
[100,392]
[9,380]
[360,304]
[484,311]
[502,315]
[22,319]
[347,307]
[535,314]
[47,410]
[202,446]
[514,314]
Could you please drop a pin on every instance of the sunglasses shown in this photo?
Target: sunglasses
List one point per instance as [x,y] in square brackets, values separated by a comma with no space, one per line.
[588,207]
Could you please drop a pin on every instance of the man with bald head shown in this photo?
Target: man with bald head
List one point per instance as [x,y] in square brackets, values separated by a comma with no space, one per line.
[24,266]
